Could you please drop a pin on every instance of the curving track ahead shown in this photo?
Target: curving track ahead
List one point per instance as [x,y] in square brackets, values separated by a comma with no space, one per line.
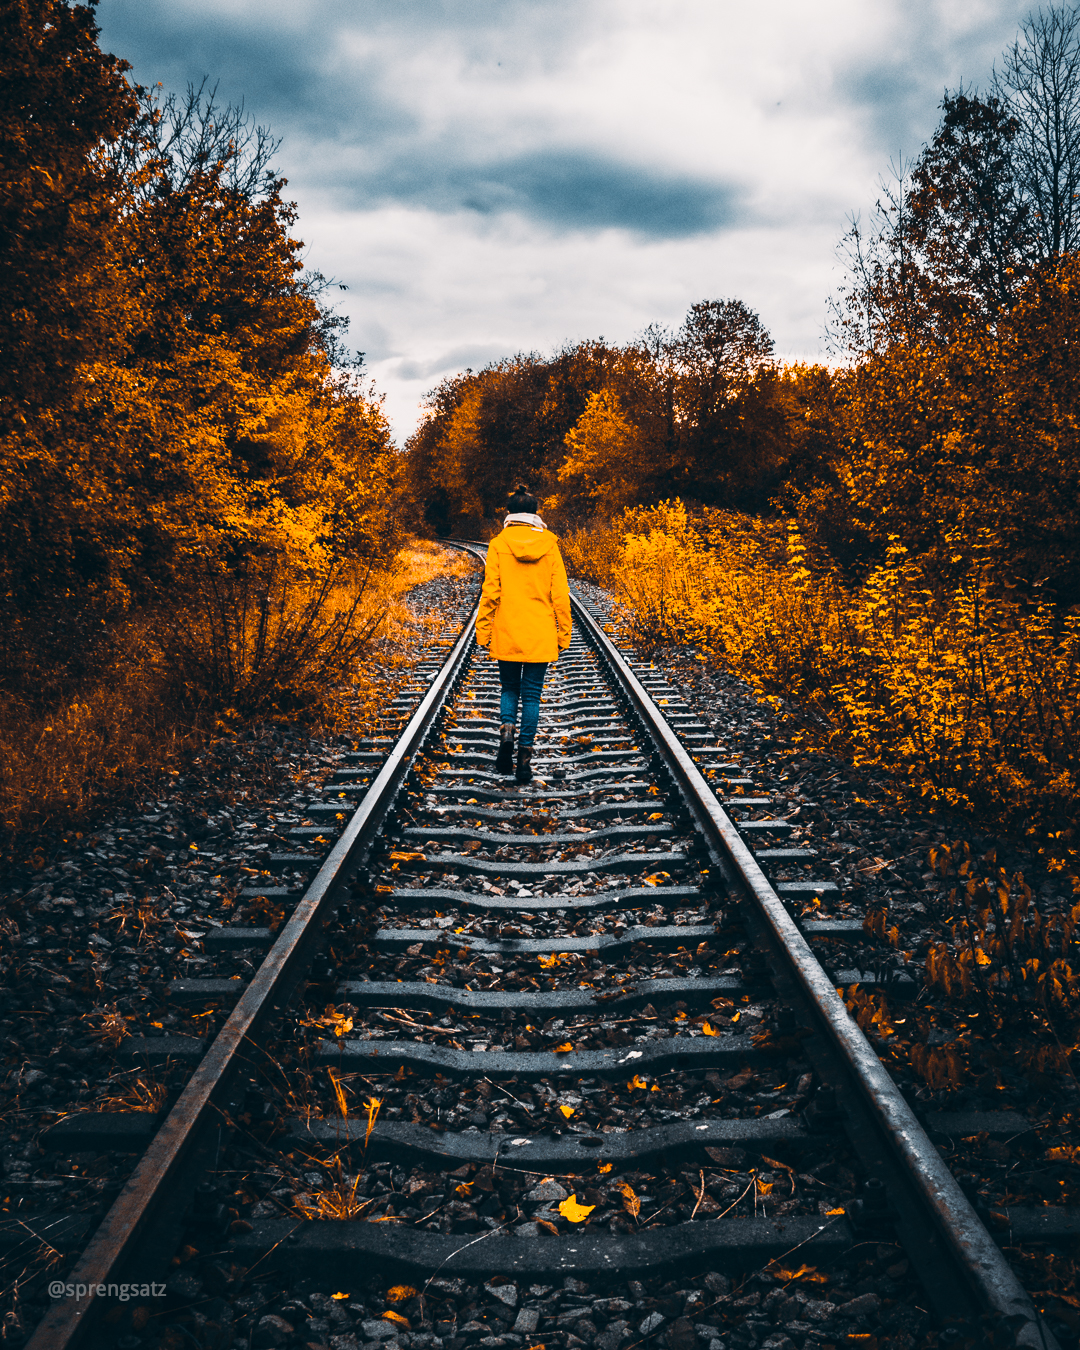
[565,949]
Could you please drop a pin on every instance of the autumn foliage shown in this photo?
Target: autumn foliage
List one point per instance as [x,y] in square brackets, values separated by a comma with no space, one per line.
[193,481]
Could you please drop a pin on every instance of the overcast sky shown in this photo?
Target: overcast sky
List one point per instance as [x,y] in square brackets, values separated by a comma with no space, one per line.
[494,176]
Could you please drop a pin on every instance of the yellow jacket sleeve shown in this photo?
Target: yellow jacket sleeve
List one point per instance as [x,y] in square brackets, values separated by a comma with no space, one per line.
[560,598]
[489,597]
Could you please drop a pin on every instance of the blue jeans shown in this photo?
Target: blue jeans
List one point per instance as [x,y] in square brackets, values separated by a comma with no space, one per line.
[525,679]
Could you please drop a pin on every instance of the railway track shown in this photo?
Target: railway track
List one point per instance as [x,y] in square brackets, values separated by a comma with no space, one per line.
[512,1046]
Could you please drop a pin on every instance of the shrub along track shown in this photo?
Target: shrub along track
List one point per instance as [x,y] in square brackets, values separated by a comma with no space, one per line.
[557,1044]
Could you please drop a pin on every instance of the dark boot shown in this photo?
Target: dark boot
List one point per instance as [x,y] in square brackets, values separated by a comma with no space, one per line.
[504,760]
[524,765]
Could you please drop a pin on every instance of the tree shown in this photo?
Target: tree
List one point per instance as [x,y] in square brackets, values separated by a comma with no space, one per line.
[951,238]
[60,99]
[970,223]
[600,468]
[1039,82]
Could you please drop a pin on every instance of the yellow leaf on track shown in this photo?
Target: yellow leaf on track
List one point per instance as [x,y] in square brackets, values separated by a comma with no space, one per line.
[604,1167]
[336,1297]
[408,857]
[810,1274]
[391,1316]
[401,1293]
[636,1082]
[567,1111]
[565,1048]
[657,878]
[657,815]
[570,1209]
[707,1030]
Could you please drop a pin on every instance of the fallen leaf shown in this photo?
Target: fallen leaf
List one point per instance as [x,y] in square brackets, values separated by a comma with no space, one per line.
[400,1293]
[570,1209]
[707,1030]
[391,1316]
[337,1297]
[408,857]
[656,815]
[810,1274]
[567,1111]
[630,1201]
[657,878]
[831,1213]
[565,1048]
[636,1082]
[546,1227]
[604,1167]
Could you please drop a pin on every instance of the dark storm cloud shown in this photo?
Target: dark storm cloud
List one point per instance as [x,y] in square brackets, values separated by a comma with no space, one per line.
[349,130]
[283,69]
[568,189]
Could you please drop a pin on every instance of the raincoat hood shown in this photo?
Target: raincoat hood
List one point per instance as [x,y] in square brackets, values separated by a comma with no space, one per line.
[527,544]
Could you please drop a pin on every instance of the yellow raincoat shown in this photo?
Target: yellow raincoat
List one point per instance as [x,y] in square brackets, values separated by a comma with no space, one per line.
[525,603]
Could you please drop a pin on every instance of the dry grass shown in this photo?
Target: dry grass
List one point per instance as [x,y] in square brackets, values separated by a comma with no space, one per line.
[136,720]
[142,1092]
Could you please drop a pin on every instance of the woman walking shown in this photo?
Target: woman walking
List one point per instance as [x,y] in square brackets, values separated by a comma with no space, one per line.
[525,617]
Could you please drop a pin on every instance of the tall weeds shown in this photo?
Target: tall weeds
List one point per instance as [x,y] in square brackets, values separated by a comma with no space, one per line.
[967,695]
[300,646]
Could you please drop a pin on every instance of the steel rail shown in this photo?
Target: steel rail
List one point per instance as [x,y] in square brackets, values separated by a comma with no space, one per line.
[68,1323]
[978,1263]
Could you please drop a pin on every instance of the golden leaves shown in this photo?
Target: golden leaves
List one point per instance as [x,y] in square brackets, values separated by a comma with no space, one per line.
[341,1022]
[550,962]
[574,1212]
[401,1293]
[804,1274]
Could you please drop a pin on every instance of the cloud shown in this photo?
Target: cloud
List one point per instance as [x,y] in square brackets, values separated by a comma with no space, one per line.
[564,188]
[491,176]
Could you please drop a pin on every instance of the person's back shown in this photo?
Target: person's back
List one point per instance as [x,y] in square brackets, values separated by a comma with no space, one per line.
[525,618]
